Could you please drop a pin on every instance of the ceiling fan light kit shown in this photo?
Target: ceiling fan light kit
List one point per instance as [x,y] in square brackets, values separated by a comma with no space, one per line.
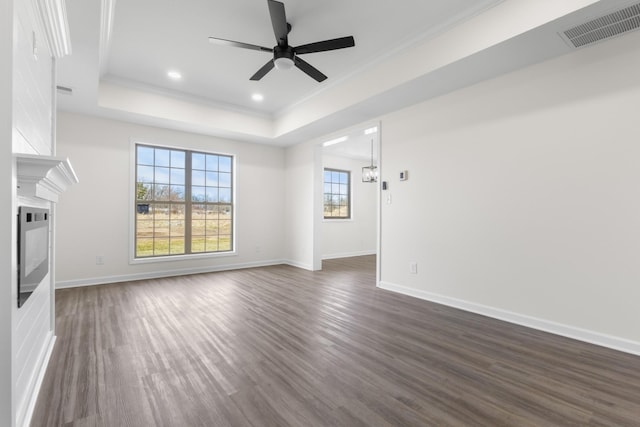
[283,63]
[286,57]
[283,58]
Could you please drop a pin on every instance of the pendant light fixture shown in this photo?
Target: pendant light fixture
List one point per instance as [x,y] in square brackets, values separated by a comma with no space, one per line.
[370,173]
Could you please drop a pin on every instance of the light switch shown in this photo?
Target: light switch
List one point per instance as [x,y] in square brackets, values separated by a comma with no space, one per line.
[413,267]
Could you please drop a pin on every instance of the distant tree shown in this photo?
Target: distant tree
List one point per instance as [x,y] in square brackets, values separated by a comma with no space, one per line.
[162,192]
[166,193]
[159,193]
[143,191]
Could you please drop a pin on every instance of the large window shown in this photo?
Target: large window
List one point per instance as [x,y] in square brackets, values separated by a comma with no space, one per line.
[184,202]
[337,194]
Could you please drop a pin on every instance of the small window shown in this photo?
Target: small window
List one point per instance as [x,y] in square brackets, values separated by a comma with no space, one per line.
[337,194]
[184,202]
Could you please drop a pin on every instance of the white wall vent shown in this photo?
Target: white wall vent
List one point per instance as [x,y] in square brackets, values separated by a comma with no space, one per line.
[613,24]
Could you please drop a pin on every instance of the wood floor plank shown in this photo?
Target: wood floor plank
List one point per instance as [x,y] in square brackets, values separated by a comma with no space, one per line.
[281,346]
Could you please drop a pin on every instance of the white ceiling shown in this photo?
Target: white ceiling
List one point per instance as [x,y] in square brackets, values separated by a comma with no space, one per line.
[150,37]
[406,51]
[355,143]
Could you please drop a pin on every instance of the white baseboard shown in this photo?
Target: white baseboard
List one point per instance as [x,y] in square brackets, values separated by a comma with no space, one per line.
[37,382]
[159,274]
[568,331]
[299,265]
[349,254]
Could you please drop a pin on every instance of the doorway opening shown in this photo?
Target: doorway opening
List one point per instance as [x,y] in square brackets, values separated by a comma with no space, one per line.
[346,203]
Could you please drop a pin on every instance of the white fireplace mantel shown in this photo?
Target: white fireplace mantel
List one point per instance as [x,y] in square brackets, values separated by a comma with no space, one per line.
[44,177]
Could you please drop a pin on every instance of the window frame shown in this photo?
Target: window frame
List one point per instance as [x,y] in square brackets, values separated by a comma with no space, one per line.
[133,258]
[349,216]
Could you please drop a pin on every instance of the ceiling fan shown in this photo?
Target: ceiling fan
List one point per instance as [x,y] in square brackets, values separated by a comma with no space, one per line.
[285,56]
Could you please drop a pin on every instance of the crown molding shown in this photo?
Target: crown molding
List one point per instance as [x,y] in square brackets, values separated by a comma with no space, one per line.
[56,27]
[44,177]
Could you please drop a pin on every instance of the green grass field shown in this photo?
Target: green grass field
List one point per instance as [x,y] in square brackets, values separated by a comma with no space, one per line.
[163,232]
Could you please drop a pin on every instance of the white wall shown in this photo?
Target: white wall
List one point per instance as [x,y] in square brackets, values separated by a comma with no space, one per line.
[32,106]
[94,216]
[356,236]
[299,213]
[522,199]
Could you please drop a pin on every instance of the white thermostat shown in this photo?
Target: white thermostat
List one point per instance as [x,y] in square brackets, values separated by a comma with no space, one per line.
[404,175]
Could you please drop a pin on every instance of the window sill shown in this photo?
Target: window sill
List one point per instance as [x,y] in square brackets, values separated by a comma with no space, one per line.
[173,258]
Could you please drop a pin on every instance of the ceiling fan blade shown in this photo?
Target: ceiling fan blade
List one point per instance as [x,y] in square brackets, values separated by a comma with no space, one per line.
[309,69]
[279,22]
[224,42]
[262,71]
[339,43]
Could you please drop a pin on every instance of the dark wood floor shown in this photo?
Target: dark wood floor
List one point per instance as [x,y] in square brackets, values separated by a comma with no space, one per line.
[280,346]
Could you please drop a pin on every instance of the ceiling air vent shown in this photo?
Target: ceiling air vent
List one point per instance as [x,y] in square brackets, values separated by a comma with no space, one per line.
[613,24]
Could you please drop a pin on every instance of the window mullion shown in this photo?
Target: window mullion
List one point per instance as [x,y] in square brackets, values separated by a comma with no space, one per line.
[188,202]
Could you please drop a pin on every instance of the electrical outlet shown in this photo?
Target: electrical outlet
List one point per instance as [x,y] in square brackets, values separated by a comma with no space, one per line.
[99,260]
[413,267]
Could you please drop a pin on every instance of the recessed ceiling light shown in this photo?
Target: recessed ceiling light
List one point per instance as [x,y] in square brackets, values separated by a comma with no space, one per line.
[174,75]
[335,141]
[371,130]
[257,97]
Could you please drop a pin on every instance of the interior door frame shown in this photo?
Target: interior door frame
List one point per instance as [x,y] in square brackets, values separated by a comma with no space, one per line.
[318,191]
